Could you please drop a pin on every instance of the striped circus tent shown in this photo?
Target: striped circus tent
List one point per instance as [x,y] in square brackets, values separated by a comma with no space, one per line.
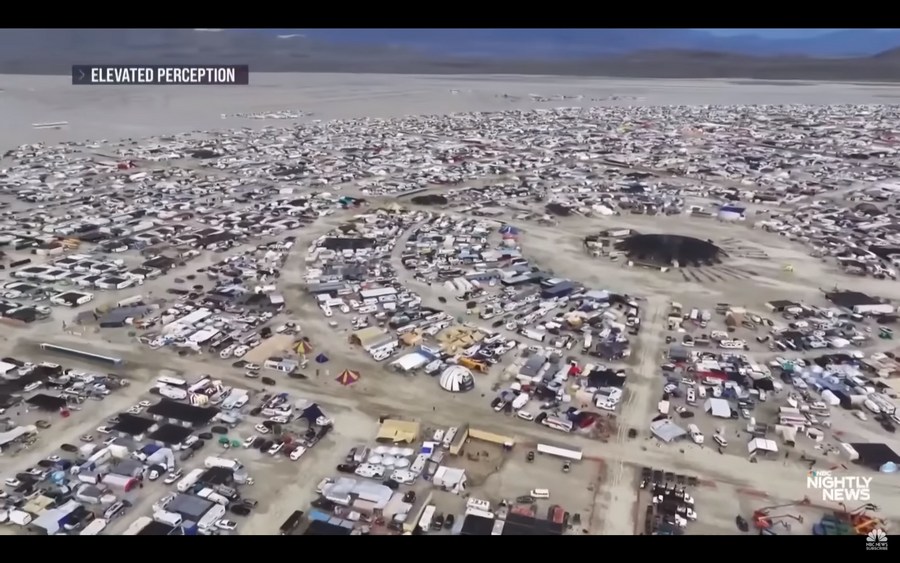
[348,377]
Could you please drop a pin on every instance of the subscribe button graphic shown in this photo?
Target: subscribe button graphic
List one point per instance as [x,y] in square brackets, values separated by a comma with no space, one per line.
[160,75]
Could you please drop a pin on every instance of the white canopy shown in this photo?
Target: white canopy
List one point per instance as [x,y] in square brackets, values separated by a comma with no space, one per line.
[762,445]
[717,407]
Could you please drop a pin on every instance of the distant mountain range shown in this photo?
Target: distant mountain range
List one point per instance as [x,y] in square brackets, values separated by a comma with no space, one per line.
[676,53]
[569,43]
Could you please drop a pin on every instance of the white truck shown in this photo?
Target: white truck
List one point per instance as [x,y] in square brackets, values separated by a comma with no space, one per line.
[174,393]
[189,480]
[213,496]
[532,334]
[696,435]
[232,464]
[520,401]
[168,518]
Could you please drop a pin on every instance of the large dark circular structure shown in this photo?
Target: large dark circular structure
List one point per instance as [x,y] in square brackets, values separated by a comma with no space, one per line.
[431,199]
[670,250]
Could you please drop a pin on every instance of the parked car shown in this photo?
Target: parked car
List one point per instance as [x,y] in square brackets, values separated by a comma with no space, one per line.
[323,503]
[173,476]
[228,525]
[116,510]
[327,481]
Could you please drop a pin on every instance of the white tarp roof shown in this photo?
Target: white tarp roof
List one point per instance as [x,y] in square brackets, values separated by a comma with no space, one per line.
[717,407]
[762,445]
[411,361]
[666,430]
[16,433]
[788,433]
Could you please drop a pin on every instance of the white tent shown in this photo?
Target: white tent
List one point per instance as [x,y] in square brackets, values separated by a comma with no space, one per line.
[717,407]
[411,362]
[666,430]
[457,379]
[762,445]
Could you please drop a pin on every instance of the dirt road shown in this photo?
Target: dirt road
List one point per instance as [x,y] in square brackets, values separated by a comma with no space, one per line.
[643,383]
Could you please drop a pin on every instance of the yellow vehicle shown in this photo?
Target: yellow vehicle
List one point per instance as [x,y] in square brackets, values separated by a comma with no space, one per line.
[473,365]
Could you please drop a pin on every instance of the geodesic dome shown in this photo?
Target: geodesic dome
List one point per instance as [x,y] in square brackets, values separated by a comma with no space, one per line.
[457,379]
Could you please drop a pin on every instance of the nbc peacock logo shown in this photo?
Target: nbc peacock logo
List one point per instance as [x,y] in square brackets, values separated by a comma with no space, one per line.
[876,540]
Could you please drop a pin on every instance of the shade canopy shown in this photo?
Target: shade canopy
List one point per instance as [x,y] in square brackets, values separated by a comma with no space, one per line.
[347,377]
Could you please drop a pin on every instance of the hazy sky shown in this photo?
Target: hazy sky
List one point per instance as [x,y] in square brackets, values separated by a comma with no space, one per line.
[775,33]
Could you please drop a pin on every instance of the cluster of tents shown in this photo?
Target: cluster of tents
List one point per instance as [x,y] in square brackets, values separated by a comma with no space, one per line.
[346,377]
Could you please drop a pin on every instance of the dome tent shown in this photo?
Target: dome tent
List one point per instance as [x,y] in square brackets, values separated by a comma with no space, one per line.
[457,379]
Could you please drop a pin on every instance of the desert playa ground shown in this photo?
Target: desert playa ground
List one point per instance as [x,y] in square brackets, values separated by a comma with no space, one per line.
[604,488]
[97,112]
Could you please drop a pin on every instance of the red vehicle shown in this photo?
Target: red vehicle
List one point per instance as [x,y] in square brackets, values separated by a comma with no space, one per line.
[557,514]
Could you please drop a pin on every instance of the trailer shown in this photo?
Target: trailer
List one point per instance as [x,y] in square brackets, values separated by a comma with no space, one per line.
[291,523]
[117,481]
[533,334]
[137,526]
[427,517]
[559,450]
[189,480]
[94,528]
[231,464]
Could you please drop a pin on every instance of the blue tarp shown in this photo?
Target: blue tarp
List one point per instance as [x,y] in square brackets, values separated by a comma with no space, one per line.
[311,413]
[319,516]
